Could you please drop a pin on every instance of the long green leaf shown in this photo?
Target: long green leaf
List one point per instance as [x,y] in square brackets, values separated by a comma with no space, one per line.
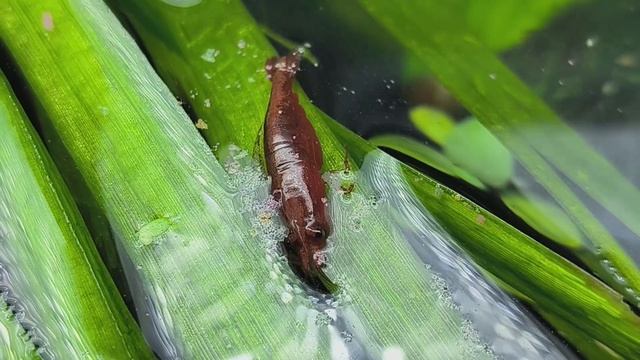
[53,271]
[534,134]
[231,96]
[206,289]
[501,24]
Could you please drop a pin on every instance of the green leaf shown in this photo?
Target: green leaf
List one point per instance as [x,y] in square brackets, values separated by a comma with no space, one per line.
[502,24]
[48,261]
[534,134]
[235,117]
[423,153]
[434,124]
[546,218]
[472,147]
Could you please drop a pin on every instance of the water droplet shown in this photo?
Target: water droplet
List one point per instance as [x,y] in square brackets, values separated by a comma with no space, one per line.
[591,42]
[207,103]
[571,62]
[493,76]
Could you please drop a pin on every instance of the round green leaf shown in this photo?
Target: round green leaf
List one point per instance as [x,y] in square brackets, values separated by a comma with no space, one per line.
[472,147]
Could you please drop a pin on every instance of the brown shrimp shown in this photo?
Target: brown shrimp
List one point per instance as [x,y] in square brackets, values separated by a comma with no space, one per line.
[294,163]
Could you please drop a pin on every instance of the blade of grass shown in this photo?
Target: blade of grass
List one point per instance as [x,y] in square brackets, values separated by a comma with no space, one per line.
[238,101]
[62,290]
[535,135]
[115,127]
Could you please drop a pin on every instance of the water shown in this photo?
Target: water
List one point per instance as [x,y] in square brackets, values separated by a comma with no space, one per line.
[207,274]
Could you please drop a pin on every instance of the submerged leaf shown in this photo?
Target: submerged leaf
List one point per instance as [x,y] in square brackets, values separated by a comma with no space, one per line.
[425,154]
[501,24]
[546,218]
[434,124]
[472,147]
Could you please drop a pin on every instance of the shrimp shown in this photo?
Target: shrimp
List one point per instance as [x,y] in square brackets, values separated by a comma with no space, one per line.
[294,162]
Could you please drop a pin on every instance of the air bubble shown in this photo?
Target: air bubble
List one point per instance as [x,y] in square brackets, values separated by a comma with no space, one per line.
[210,55]
[286,297]
[322,319]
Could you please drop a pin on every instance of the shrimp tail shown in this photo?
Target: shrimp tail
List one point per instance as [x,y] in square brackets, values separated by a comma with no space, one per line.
[323,283]
[312,274]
